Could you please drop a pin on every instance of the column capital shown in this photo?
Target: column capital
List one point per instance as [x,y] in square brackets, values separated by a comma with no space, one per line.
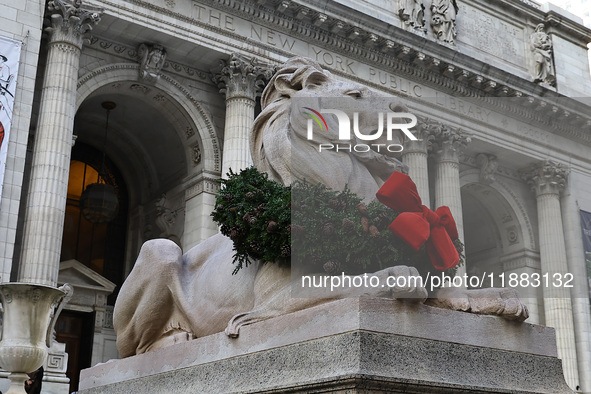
[71,21]
[548,177]
[239,76]
[424,137]
[447,142]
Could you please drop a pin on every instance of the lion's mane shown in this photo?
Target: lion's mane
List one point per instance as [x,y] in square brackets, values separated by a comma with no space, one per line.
[280,148]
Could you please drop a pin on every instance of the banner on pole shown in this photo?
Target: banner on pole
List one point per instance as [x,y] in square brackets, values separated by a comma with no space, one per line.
[586,227]
[10,51]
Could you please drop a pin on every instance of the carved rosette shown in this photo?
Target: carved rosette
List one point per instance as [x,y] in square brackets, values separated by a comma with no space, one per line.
[242,77]
[71,21]
[548,177]
[447,142]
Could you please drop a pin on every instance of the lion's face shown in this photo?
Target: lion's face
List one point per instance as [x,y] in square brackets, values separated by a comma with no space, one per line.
[281,143]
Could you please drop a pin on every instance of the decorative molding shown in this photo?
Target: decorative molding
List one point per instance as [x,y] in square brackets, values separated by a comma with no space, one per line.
[71,21]
[131,54]
[471,161]
[241,77]
[108,321]
[189,132]
[151,58]
[419,61]
[204,115]
[196,155]
[201,184]
[548,177]
[526,258]
[515,202]
[447,142]
[488,165]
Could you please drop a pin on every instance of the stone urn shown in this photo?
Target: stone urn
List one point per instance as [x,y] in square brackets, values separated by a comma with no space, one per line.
[29,315]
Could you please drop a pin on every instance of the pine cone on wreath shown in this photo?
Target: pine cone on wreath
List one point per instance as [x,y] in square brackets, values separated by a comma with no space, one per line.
[328,229]
[286,251]
[373,231]
[234,233]
[348,225]
[362,208]
[272,227]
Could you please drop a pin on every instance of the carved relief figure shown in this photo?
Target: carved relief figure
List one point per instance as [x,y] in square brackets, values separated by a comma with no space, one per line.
[170,296]
[151,61]
[412,13]
[443,20]
[541,46]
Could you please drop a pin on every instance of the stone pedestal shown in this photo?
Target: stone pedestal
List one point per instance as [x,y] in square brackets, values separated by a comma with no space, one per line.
[349,346]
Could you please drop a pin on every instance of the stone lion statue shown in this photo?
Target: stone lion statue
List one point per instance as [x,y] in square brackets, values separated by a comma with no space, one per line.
[170,297]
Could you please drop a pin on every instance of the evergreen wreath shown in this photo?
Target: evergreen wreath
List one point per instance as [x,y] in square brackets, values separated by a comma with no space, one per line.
[311,225]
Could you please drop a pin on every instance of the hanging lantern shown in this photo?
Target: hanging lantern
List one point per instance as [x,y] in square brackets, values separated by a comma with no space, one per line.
[99,202]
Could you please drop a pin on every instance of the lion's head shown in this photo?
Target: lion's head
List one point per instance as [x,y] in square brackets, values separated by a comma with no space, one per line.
[279,143]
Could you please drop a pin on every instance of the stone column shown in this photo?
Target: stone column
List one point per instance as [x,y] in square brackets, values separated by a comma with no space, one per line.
[46,203]
[446,147]
[547,180]
[241,80]
[575,253]
[415,156]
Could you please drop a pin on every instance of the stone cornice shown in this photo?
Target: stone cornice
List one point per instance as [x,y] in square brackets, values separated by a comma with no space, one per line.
[409,55]
[433,64]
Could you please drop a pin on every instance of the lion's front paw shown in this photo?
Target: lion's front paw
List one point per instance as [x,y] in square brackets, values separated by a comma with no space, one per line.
[499,302]
[403,283]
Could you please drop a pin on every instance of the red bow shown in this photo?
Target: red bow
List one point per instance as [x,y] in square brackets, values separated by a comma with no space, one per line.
[417,224]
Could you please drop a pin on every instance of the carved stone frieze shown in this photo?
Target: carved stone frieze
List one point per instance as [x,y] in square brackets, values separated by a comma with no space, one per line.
[242,77]
[71,21]
[131,54]
[548,177]
[330,31]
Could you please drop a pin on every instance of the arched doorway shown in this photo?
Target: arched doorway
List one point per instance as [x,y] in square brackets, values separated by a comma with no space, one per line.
[97,246]
[498,237]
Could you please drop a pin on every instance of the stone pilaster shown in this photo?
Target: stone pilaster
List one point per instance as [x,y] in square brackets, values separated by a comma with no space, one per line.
[547,180]
[241,80]
[415,155]
[46,204]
